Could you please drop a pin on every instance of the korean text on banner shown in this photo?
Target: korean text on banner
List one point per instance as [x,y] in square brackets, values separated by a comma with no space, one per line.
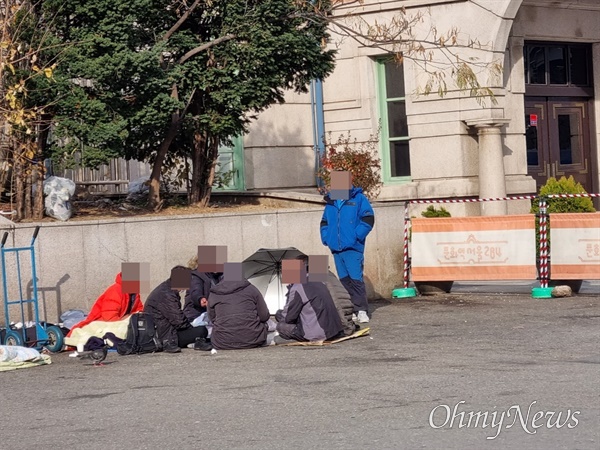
[474,248]
[575,246]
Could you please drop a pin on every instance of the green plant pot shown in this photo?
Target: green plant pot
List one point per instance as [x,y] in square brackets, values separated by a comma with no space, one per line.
[433,287]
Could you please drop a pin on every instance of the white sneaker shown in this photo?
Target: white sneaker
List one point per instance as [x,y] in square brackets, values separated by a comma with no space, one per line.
[354,318]
[363,317]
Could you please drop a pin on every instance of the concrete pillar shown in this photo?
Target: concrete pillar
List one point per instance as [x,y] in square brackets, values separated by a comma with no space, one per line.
[492,181]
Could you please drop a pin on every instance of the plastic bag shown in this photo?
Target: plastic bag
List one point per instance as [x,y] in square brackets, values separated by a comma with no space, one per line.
[15,354]
[58,193]
[72,317]
[137,189]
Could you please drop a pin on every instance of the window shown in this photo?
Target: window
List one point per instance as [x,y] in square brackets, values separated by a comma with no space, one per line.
[557,64]
[395,142]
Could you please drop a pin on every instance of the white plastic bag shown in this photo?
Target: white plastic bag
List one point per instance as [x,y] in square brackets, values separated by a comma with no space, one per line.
[9,353]
[58,193]
[137,189]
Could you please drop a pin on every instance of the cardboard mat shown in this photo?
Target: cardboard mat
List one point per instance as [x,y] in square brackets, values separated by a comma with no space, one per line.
[359,333]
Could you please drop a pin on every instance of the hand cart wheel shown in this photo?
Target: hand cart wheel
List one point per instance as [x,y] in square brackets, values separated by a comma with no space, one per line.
[55,339]
[13,338]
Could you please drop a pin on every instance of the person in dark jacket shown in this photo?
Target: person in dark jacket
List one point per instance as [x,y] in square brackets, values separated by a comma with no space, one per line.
[239,315]
[196,297]
[174,329]
[309,314]
[345,224]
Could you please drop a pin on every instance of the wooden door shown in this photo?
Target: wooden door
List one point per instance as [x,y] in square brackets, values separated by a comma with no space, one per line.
[558,140]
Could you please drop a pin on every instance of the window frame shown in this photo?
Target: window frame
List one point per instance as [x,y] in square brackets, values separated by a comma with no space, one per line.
[384,139]
[548,89]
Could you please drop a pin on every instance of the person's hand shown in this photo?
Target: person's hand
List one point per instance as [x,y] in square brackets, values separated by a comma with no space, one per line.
[203,302]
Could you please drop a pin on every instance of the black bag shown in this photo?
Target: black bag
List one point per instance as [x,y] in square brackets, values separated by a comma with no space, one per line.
[142,336]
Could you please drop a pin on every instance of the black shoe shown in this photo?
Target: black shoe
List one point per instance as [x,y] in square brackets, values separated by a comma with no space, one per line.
[201,344]
[169,347]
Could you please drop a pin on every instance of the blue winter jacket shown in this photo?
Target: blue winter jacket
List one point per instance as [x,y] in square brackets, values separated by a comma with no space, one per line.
[346,224]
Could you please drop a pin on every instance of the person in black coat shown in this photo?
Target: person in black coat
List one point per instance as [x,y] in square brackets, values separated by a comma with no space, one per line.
[239,315]
[196,296]
[173,327]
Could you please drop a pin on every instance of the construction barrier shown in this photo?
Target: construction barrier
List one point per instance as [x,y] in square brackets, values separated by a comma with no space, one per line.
[474,248]
[575,242]
[500,247]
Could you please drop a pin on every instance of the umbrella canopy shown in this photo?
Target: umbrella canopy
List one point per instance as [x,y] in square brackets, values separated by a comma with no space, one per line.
[263,270]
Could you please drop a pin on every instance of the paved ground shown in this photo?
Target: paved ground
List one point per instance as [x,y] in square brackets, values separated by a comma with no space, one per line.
[495,350]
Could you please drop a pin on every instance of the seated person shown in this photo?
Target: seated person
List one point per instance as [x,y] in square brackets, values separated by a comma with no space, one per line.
[173,327]
[309,314]
[341,298]
[343,303]
[196,296]
[238,312]
[112,305]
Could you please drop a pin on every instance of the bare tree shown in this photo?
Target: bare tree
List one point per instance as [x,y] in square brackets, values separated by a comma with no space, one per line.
[24,122]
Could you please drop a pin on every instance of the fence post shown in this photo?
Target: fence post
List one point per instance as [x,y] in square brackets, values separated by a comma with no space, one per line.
[405,291]
[543,291]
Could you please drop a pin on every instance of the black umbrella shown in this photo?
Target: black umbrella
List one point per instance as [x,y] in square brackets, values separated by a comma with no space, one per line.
[263,270]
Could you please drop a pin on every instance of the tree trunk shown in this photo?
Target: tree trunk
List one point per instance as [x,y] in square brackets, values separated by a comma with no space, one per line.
[38,201]
[198,167]
[212,152]
[19,185]
[154,200]
[28,199]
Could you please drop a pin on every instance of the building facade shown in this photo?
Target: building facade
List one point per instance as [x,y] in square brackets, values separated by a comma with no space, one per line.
[544,122]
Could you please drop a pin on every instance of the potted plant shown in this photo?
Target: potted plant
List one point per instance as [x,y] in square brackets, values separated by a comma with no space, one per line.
[434,287]
[561,205]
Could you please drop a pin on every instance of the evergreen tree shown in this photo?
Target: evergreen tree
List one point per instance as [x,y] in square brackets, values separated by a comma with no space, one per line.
[151,79]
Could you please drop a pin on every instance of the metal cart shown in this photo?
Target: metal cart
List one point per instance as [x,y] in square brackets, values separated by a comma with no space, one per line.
[41,334]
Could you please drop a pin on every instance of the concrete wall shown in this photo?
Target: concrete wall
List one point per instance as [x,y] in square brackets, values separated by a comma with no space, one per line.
[76,261]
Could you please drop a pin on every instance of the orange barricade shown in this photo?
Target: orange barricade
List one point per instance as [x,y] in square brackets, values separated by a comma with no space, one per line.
[575,246]
[474,248]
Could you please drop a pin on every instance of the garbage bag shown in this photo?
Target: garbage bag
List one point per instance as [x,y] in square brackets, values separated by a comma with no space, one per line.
[58,193]
[137,189]
[72,317]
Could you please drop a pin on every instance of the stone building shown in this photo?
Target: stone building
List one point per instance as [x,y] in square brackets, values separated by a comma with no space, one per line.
[545,121]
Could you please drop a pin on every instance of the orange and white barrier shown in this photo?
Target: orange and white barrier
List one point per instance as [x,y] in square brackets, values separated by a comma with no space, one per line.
[474,248]
[575,246]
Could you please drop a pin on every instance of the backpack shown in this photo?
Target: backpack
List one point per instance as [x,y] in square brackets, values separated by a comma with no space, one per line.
[142,336]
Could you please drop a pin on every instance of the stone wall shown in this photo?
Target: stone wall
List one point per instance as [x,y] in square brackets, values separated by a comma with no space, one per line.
[77,260]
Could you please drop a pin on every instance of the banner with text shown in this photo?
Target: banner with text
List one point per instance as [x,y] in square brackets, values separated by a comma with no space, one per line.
[473,248]
[575,246]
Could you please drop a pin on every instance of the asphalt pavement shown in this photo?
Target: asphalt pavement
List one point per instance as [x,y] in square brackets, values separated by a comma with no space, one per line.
[481,367]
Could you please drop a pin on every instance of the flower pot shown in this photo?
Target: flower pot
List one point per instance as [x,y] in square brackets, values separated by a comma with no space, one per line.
[433,287]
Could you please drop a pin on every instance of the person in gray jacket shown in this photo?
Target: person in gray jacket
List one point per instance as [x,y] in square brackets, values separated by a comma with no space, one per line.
[309,314]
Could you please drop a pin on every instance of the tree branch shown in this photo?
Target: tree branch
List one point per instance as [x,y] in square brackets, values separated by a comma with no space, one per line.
[195,51]
[182,19]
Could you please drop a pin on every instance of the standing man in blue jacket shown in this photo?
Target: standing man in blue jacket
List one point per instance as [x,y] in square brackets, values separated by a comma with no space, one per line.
[347,220]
